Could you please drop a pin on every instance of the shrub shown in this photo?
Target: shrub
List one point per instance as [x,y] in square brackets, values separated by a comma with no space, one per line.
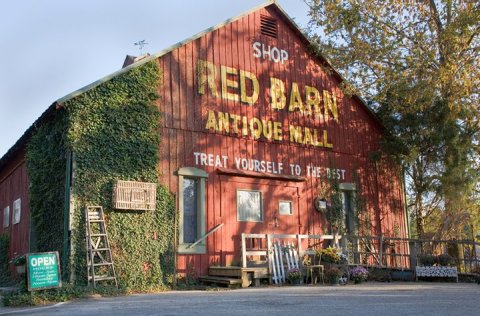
[333,274]
[4,273]
[426,260]
[445,260]
[19,260]
[440,260]
[379,275]
[65,293]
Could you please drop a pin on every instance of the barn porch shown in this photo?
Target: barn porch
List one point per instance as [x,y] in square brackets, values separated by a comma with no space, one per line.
[256,257]
[388,253]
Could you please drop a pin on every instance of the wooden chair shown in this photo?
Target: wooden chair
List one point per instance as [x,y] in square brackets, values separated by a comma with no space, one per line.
[312,267]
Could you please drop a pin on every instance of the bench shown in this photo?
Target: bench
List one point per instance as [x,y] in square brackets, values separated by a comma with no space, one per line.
[436,272]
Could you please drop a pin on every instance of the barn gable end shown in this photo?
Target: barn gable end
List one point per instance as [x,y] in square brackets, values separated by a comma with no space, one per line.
[252,129]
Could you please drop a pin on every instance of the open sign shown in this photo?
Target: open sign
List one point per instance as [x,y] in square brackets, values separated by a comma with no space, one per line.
[43,271]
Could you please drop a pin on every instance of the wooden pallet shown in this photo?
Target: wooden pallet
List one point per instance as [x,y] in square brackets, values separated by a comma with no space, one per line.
[229,282]
[247,276]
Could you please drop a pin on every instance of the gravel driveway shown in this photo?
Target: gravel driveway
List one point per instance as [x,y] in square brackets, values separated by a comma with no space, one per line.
[398,298]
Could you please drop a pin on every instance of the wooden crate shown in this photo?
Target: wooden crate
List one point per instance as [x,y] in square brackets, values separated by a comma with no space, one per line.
[133,195]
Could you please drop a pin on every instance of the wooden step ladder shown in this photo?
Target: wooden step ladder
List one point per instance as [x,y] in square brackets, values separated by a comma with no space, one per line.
[99,256]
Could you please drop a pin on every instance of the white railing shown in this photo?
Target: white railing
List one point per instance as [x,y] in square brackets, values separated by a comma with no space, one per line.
[374,251]
[267,240]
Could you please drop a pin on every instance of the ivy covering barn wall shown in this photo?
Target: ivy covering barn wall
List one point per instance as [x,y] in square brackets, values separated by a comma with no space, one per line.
[46,161]
[112,131]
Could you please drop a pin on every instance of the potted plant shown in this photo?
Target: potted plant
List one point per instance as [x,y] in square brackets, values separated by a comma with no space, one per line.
[294,276]
[19,262]
[332,275]
[359,274]
[329,255]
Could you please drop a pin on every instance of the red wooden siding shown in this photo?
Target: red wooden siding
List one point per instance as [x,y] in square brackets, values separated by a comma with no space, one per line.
[354,136]
[14,185]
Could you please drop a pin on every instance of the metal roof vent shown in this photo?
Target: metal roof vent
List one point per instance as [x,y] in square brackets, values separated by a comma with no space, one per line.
[268,26]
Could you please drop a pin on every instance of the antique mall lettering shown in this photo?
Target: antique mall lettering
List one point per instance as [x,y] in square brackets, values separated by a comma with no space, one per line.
[256,128]
[239,85]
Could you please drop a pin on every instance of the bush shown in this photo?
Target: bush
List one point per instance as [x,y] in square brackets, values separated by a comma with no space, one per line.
[19,260]
[379,275]
[333,274]
[440,260]
[65,293]
[445,260]
[426,260]
[5,278]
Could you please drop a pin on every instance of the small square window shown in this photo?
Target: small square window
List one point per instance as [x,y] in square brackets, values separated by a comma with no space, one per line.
[17,209]
[249,206]
[285,208]
[6,216]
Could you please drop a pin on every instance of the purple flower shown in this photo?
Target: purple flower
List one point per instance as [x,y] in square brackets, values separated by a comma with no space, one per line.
[359,274]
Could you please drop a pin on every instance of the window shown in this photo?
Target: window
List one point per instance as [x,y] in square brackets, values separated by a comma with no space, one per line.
[285,208]
[249,206]
[348,210]
[348,196]
[6,216]
[17,208]
[191,209]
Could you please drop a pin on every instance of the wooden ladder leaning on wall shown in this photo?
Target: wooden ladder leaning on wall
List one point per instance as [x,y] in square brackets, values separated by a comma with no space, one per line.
[99,256]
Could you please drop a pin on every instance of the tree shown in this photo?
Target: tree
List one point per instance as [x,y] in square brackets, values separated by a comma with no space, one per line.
[417,64]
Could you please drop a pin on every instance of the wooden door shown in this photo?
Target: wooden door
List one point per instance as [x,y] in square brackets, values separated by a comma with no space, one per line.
[257,206]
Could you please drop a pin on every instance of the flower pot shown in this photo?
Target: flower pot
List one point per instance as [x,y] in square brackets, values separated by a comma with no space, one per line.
[296,282]
[335,281]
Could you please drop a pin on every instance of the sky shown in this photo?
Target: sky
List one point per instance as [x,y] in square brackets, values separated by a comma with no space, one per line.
[51,48]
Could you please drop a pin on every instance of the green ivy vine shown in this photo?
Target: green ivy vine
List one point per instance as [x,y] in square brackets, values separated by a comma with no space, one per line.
[46,162]
[335,214]
[112,132]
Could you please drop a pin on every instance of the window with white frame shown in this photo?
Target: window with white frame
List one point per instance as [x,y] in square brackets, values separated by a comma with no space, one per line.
[17,210]
[249,206]
[191,201]
[6,216]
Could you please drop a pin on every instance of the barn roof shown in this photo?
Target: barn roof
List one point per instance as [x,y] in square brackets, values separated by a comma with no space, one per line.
[270,3]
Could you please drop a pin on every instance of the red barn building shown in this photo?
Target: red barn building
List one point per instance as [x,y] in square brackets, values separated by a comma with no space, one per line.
[255,127]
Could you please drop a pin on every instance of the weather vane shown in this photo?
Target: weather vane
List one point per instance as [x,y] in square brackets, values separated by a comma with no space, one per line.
[141,44]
